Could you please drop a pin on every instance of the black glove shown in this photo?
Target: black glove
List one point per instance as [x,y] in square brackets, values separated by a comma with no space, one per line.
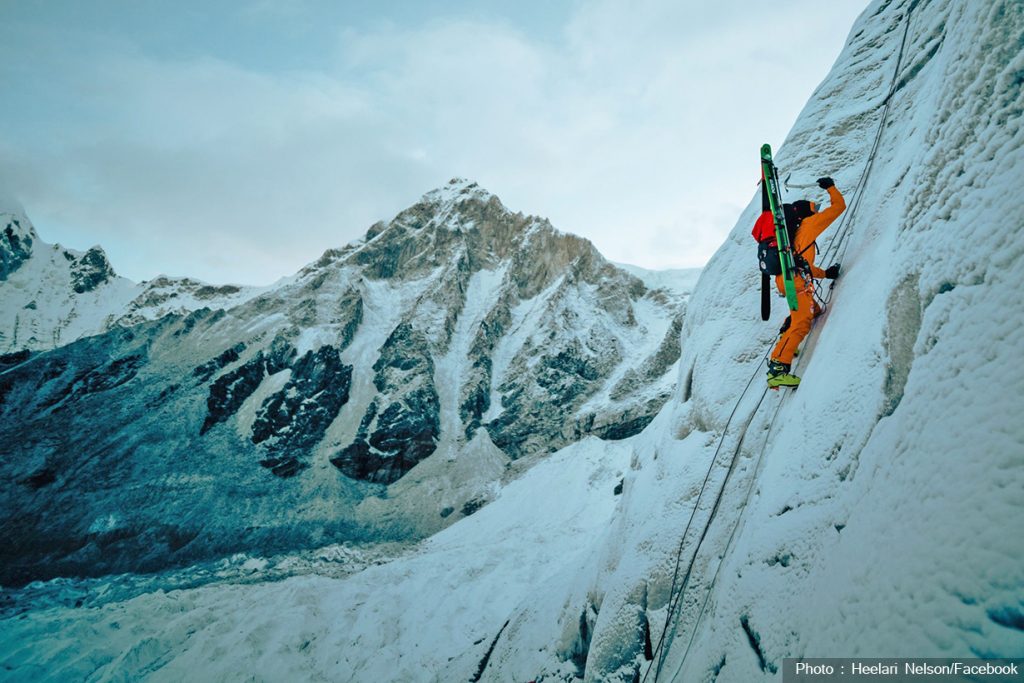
[832,272]
[825,183]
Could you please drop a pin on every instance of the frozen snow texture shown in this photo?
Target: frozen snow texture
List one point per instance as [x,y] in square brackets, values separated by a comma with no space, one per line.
[885,503]
[877,510]
[461,584]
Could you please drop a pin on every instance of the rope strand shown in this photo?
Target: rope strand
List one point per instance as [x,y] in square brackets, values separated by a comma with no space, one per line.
[675,597]
[837,245]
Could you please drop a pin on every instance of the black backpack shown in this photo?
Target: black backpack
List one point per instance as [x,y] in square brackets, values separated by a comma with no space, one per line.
[768,248]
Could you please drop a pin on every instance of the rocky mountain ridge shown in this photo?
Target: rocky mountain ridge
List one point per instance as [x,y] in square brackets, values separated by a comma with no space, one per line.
[873,513]
[53,295]
[385,390]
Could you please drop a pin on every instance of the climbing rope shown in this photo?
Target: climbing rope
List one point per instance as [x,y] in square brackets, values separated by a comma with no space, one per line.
[728,543]
[837,246]
[675,597]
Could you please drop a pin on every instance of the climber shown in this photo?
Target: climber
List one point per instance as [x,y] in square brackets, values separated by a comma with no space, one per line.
[810,224]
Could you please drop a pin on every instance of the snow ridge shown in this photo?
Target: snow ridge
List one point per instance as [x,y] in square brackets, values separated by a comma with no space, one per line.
[874,512]
[384,392]
[51,296]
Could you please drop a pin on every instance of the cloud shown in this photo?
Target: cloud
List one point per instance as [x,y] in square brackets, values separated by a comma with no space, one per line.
[637,128]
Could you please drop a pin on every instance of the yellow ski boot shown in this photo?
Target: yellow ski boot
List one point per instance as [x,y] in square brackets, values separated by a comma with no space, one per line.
[778,375]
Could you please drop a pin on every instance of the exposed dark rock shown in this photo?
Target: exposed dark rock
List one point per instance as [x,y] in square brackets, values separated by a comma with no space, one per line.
[15,248]
[207,369]
[538,405]
[91,270]
[404,434]
[472,506]
[91,380]
[478,396]
[407,429]
[352,309]
[393,441]
[41,478]
[405,353]
[9,360]
[115,374]
[229,391]
[284,467]
[625,429]
[293,420]
[356,460]
[754,639]
[211,292]
[482,666]
[409,426]
[280,355]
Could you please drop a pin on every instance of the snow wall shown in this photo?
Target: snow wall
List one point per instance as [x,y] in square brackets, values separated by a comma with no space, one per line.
[877,510]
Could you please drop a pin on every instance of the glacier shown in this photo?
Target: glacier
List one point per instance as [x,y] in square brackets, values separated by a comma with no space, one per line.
[380,394]
[873,512]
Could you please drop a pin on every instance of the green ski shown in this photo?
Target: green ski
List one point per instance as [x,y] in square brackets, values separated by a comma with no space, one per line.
[770,178]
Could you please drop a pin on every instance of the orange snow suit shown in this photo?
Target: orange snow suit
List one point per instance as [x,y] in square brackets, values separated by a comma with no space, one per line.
[809,230]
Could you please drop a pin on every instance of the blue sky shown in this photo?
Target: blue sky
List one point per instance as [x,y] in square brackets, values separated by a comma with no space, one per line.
[238,141]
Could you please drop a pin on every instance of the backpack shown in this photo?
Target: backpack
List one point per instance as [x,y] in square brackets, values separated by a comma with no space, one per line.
[767,245]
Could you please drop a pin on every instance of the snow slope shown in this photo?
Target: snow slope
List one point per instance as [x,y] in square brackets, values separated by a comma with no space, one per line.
[54,295]
[392,622]
[676,279]
[875,512]
[380,393]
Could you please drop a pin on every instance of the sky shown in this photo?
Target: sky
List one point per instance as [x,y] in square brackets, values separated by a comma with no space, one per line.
[237,141]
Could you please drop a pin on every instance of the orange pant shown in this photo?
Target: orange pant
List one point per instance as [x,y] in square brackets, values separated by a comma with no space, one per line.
[800,324]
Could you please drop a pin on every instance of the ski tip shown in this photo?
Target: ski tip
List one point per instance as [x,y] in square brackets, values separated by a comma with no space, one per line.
[766,148]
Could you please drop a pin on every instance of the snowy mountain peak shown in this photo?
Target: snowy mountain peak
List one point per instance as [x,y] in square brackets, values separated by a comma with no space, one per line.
[51,295]
[873,512]
[454,206]
[463,226]
[455,190]
[428,357]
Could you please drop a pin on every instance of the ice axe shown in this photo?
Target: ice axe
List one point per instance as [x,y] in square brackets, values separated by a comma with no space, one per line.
[798,186]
